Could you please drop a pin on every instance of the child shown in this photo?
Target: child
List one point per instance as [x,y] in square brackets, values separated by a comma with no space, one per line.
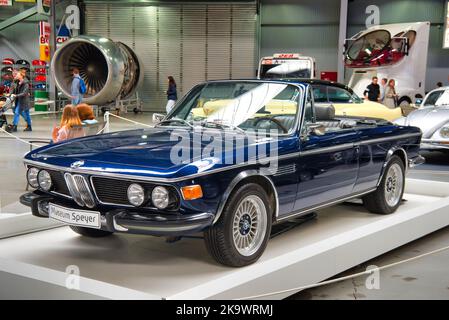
[70,127]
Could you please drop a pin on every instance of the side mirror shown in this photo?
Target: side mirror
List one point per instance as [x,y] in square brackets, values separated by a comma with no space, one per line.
[316,129]
[157,117]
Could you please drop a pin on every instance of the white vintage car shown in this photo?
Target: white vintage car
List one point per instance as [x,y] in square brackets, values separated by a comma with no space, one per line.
[432,117]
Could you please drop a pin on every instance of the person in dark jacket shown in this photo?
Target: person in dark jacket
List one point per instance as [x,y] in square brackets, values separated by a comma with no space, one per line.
[21,94]
[372,92]
[172,94]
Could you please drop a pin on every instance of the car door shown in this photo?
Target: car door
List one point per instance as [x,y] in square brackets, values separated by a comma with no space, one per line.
[327,165]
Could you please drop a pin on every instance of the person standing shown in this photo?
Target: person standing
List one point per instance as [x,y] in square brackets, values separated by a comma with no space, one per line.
[76,94]
[383,87]
[172,94]
[439,84]
[372,91]
[21,94]
[391,98]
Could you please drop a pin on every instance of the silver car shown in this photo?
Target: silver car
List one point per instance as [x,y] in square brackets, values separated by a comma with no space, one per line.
[432,117]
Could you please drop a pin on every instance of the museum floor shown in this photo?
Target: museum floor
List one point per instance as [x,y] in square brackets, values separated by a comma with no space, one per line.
[426,278]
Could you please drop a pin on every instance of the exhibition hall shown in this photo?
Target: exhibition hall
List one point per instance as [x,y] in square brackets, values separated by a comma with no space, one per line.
[224,150]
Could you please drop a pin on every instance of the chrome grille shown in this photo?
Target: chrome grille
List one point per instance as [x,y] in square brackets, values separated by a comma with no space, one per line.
[79,190]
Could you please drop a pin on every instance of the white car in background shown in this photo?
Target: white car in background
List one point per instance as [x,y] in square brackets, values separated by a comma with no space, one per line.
[432,117]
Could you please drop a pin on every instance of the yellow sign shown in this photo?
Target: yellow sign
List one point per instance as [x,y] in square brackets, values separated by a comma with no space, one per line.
[44,52]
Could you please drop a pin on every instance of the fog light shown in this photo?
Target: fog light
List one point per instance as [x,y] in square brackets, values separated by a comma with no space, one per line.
[44,180]
[160,197]
[32,177]
[136,194]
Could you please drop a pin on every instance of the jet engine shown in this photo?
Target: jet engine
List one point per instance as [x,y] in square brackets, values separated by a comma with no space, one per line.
[110,70]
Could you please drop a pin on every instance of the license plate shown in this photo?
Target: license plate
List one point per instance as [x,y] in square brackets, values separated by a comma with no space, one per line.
[89,219]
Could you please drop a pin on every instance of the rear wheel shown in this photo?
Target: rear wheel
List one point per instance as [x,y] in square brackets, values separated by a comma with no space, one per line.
[388,195]
[241,234]
[89,232]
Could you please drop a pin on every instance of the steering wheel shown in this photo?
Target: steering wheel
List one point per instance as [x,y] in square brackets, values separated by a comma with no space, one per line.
[271,119]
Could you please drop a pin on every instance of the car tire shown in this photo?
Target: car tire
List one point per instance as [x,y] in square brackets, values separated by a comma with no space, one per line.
[91,233]
[240,235]
[404,101]
[388,195]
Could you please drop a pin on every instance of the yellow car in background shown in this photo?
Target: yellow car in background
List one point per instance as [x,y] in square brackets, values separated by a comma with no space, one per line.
[344,100]
[347,103]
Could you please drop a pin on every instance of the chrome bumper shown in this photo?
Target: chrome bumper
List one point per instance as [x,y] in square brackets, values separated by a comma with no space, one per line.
[129,220]
[414,162]
[428,144]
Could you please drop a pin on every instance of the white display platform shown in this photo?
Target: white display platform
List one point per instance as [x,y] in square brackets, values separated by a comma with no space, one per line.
[140,267]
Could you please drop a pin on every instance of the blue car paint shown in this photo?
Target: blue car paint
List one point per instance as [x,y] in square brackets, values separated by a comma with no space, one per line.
[320,177]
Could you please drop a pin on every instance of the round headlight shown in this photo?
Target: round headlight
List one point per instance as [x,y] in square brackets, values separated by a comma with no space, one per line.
[44,180]
[136,194]
[444,132]
[32,177]
[160,197]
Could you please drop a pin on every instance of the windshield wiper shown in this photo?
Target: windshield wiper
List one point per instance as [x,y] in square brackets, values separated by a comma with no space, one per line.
[174,120]
[221,126]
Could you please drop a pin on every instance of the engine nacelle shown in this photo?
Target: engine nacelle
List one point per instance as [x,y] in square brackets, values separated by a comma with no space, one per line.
[111,70]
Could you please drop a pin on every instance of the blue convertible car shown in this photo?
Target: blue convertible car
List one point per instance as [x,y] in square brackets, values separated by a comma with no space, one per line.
[232,159]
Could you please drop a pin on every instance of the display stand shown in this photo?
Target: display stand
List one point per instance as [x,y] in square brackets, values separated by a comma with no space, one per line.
[140,267]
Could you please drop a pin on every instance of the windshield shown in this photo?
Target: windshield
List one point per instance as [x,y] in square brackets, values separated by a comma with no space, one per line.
[435,98]
[369,46]
[241,105]
[326,94]
[285,69]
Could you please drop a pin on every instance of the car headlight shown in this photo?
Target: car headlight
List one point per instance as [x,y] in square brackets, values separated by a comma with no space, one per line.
[136,194]
[160,197]
[444,132]
[44,180]
[32,177]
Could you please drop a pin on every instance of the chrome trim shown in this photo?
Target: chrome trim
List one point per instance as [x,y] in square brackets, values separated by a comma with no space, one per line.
[62,194]
[241,176]
[84,190]
[419,160]
[117,226]
[79,190]
[160,229]
[324,205]
[390,153]
[328,149]
[401,136]
[73,189]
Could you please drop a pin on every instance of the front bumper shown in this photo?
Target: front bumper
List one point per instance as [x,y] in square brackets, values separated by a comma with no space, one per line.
[128,220]
[429,144]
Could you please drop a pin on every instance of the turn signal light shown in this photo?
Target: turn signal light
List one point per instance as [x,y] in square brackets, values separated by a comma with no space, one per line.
[192,192]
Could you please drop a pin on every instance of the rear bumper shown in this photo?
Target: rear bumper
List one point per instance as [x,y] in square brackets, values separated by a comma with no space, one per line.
[128,220]
[414,162]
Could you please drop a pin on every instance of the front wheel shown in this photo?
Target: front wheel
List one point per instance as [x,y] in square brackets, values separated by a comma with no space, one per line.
[241,234]
[388,195]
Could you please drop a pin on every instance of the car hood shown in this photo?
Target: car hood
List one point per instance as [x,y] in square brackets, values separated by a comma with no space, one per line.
[428,119]
[153,152]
